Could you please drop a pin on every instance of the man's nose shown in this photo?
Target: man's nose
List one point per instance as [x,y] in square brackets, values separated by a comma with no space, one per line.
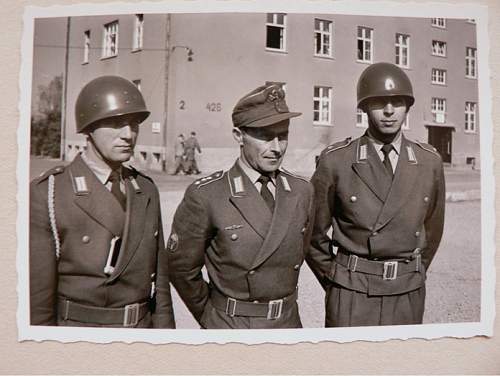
[126,132]
[275,144]
[388,108]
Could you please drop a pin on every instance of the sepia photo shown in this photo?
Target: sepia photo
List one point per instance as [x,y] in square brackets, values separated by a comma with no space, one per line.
[324,169]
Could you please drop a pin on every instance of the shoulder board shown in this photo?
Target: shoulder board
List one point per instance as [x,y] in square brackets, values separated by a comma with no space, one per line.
[53,171]
[208,179]
[338,145]
[428,147]
[294,175]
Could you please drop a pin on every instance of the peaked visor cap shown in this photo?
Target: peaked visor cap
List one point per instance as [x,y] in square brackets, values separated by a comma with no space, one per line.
[262,107]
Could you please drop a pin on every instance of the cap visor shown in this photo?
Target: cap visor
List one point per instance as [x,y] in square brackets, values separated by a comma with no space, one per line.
[270,120]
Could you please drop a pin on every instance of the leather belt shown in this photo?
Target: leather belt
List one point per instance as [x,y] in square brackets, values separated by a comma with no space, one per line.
[272,309]
[388,270]
[127,316]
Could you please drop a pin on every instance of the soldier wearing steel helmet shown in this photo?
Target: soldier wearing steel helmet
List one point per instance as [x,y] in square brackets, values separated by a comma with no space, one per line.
[383,196]
[96,240]
[248,226]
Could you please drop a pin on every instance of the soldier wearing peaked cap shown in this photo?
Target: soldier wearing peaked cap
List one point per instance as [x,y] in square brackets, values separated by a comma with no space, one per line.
[248,226]
[384,197]
[97,254]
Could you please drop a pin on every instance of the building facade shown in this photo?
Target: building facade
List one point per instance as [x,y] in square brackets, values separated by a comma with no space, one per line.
[192,69]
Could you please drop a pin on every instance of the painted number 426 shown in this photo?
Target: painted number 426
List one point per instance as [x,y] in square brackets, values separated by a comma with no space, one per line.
[214,107]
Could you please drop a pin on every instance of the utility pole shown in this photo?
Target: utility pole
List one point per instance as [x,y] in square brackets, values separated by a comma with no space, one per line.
[167,78]
[62,151]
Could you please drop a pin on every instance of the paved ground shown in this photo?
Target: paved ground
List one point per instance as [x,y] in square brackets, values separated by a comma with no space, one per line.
[453,288]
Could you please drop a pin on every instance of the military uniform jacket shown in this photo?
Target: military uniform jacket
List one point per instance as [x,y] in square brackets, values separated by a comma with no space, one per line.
[86,219]
[190,145]
[250,254]
[374,218]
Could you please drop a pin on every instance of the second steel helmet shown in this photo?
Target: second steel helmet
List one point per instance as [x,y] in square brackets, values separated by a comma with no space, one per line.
[106,97]
[384,80]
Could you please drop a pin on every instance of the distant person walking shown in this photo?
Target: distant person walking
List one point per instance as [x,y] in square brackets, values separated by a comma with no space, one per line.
[190,147]
[180,154]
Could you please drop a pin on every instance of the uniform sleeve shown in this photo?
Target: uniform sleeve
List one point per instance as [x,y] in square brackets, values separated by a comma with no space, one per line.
[163,316]
[319,257]
[434,221]
[186,248]
[42,260]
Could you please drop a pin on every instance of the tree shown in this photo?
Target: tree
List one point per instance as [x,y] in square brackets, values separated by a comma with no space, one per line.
[46,127]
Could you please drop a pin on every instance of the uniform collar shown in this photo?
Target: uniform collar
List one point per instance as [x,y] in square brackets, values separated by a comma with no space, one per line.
[252,174]
[102,172]
[396,143]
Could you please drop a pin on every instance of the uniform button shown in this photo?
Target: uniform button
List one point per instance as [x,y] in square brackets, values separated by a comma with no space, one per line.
[255,301]
[374,233]
[85,238]
[303,230]
[353,199]
[251,272]
[417,250]
[234,237]
[296,267]
[426,199]
[417,234]
[156,233]
[153,276]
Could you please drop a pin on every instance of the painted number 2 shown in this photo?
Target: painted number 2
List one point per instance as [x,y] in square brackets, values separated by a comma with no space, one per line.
[214,107]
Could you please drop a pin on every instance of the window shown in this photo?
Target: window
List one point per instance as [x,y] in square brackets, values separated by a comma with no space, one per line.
[138,32]
[403,50]
[361,118]
[110,40]
[323,37]
[470,117]
[322,105]
[470,62]
[406,123]
[438,109]
[86,46]
[438,22]
[438,76]
[137,83]
[438,48]
[276,31]
[365,41]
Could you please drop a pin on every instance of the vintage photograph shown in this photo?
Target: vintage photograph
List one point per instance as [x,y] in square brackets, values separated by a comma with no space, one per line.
[322,171]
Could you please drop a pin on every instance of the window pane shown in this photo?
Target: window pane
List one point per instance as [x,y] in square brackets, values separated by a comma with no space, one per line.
[273,37]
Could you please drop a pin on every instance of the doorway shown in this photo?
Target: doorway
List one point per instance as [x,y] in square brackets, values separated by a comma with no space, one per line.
[440,138]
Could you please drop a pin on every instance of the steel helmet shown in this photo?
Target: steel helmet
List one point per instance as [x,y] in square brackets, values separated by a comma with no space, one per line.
[384,80]
[106,97]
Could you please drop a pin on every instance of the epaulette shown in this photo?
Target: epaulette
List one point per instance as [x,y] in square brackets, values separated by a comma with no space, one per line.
[338,145]
[428,147]
[294,175]
[208,179]
[52,171]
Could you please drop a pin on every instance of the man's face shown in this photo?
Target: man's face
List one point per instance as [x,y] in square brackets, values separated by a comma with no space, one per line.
[263,148]
[114,139]
[386,116]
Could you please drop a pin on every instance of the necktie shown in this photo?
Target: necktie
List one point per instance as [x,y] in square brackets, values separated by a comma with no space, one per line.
[114,178]
[265,192]
[386,149]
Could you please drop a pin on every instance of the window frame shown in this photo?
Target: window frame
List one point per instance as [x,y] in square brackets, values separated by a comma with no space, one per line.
[364,118]
[275,24]
[321,99]
[436,23]
[400,48]
[471,62]
[470,124]
[438,106]
[365,40]
[107,34]
[86,46]
[322,34]
[436,52]
[437,81]
[138,35]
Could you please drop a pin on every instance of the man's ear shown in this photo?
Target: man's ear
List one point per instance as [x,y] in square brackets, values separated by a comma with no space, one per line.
[238,135]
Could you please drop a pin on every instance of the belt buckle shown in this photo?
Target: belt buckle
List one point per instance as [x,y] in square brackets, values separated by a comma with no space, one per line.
[274,309]
[352,263]
[390,270]
[231,307]
[131,315]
